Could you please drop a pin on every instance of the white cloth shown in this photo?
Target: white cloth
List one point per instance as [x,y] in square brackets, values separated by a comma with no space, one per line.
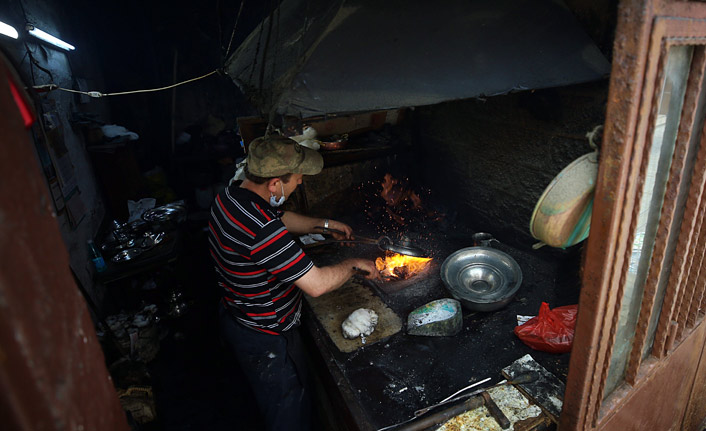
[113,130]
[239,172]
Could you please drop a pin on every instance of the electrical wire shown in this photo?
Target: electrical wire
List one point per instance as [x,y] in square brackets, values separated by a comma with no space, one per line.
[261,28]
[272,105]
[232,35]
[265,49]
[97,94]
[150,90]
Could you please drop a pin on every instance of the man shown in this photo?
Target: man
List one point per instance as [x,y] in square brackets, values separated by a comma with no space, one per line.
[263,274]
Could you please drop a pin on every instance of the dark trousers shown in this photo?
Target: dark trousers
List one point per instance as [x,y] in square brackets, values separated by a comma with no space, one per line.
[275,368]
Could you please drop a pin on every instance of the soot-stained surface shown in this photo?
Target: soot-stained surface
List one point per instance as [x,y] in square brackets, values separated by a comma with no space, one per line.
[393,378]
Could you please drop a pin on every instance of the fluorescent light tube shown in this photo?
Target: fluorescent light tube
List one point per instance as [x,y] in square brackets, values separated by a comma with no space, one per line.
[39,34]
[8,30]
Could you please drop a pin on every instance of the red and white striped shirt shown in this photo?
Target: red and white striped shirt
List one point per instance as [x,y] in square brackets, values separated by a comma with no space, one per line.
[257,261]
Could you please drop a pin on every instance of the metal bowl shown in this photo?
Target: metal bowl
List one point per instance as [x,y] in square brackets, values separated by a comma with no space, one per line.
[150,240]
[115,245]
[481,278]
[127,255]
[169,212]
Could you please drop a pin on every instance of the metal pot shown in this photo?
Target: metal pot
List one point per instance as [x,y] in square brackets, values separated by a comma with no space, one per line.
[166,217]
[331,146]
[482,239]
[335,142]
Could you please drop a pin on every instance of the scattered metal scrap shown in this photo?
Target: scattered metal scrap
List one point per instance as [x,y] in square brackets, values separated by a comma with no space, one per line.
[547,390]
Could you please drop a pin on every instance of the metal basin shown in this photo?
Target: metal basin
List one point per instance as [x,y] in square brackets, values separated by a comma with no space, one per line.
[481,278]
[164,213]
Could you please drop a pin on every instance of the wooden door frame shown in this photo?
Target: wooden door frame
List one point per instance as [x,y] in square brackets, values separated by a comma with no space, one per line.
[638,65]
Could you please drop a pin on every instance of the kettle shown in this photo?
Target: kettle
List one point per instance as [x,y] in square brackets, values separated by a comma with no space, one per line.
[482,239]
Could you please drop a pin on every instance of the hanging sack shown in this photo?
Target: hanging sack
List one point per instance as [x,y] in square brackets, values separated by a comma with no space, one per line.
[551,331]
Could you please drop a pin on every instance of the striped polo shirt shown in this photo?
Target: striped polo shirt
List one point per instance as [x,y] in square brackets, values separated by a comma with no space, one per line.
[257,261]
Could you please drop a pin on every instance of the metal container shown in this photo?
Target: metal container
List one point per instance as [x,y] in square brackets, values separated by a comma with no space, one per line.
[165,213]
[127,255]
[481,278]
[166,217]
[482,239]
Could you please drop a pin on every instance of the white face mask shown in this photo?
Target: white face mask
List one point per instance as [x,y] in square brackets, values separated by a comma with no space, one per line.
[277,202]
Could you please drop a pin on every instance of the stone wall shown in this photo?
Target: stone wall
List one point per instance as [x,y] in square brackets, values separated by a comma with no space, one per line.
[490,160]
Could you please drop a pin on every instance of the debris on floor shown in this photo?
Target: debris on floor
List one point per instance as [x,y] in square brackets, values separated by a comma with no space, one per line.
[547,390]
[511,402]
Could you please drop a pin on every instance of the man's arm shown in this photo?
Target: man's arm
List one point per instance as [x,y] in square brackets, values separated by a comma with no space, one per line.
[318,281]
[300,224]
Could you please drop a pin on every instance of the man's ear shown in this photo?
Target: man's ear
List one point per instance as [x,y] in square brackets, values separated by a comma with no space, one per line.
[272,184]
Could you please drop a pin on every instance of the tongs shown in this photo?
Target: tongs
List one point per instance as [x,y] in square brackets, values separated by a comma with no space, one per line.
[385,243]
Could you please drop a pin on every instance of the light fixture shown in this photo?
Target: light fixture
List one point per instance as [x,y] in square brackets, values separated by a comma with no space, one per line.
[8,30]
[39,34]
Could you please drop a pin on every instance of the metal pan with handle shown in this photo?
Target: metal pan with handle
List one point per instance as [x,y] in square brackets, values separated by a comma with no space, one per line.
[385,243]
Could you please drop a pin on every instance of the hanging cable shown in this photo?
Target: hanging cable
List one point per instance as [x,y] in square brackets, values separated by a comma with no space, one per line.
[232,35]
[266,98]
[220,26]
[272,102]
[97,94]
[264,50]
[257,50]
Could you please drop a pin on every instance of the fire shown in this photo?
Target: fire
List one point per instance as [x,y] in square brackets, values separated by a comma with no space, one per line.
[399,266]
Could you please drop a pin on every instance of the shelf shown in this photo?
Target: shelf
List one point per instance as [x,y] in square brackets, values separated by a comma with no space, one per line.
[350,155]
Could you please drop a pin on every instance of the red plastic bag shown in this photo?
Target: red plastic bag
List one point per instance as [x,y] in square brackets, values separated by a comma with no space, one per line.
[551,331]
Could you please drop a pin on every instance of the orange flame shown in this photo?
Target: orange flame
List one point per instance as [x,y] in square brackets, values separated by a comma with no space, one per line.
[395,265]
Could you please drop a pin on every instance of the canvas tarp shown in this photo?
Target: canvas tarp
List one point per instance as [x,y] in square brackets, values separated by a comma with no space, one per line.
[315,57]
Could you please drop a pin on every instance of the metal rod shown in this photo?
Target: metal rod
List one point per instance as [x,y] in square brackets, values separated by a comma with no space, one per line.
[522,378]
[384,243]
[361,239]
[449,400]
[444,415]
[461,390]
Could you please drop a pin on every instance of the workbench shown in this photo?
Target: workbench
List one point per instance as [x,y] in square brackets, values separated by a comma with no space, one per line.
[384,383]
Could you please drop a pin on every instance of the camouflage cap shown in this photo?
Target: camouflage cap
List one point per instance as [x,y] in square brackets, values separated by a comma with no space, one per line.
[276,155]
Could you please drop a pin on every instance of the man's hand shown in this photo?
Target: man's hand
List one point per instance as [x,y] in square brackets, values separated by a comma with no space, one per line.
[320,280]
[300,224]
[365,268]
[340,226]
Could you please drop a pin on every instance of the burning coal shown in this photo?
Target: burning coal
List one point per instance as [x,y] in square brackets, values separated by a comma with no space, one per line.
[395,266]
